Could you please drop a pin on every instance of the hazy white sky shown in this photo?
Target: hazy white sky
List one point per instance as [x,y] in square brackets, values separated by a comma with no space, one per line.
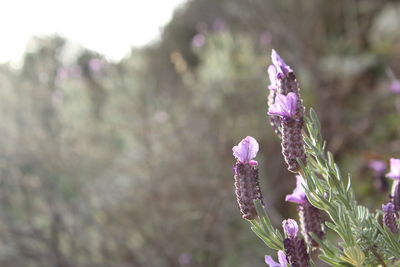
[110,27]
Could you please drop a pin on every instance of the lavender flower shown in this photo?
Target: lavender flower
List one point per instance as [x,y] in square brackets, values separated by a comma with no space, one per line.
[379,168]
[290,228]
[281,258]
[310,216]
[246,150]
[389,217]
[246,177]
[295,248]
[299,195]
[199,40]
[395,86]
[287,104]
[281,66]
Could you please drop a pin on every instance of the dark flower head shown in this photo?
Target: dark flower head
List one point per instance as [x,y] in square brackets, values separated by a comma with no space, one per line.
[298,196]
[394,169]
[281,258]
[285,106]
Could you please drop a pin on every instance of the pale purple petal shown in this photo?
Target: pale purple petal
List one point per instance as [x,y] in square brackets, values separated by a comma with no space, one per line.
[290,227]
[389,207]
[299,195]
[270,261]
[284,106]
[281,66]
[272,77]
[246,150]
[394,169]
[378,166]
[282,258]
[395,86]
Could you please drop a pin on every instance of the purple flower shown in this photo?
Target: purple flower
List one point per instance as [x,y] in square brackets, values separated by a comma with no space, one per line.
[378,166]
[284,106]
[395,86]
[389,207]
[394,169]
[389,217]
[298,196]
[198,40]
[281,257]
[246,150]
[272,77]
[281,67]
[290,227]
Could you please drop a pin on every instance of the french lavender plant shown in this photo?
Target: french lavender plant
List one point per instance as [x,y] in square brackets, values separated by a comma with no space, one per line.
[355,236]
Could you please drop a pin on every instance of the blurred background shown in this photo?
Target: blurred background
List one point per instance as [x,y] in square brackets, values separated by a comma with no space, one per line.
[118,120]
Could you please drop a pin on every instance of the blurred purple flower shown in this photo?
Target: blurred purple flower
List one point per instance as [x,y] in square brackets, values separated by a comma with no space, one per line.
[389,207]
[96,65]
[389,217]
[395,86]
[290,227]
[284,106]
[394,169]
[281,257]
[246,150]
[184,259]
[265,38]
[298,196]
[198,40]
[218,25]
[378,166]
[281,67]
[272,77]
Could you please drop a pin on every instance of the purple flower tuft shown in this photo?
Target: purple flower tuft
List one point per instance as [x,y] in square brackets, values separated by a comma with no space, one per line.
[281,257]
[281,67]
[290,227]
[298,196]
[246,150]
[389,217]
[395,86]
[284,106]
[394,169]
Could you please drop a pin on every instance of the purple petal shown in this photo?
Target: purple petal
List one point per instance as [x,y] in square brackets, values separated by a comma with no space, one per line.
[246,150]
[284,106]
[272,77]
[298,196]
[282,258]
[389,207]
[281,66]
[270,261]
[394,169]
[290,227]
[395,86]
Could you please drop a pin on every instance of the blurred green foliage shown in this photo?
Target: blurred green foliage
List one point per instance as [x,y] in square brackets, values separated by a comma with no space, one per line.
[129,163]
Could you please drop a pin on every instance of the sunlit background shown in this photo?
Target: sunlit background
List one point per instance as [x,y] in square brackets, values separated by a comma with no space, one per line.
[118,120]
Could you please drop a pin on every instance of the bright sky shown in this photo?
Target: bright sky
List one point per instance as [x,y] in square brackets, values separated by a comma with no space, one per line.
[110,27]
